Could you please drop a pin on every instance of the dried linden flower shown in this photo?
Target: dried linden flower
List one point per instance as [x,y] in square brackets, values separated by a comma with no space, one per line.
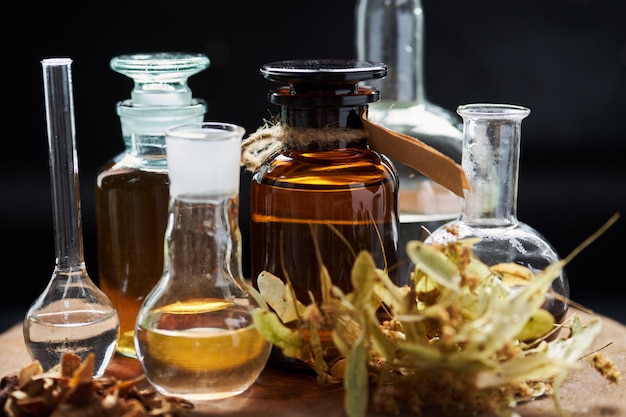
[606,367]
[459,337]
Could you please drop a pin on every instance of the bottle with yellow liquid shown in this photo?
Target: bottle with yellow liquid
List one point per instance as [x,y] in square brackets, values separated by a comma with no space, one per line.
[195,336]
[132,189]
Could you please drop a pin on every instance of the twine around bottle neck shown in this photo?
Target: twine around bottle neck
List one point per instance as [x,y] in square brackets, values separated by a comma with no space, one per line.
[273,137]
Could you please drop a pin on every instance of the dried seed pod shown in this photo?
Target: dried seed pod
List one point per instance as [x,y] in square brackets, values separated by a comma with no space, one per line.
[69,390]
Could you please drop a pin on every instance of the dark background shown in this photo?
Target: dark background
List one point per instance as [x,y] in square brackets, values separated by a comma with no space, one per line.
[564,59]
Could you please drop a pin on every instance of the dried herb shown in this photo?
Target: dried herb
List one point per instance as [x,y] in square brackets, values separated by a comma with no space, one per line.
[69,390]
[459,338]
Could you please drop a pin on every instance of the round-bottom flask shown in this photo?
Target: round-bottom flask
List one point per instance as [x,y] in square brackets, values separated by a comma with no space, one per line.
[491,146]
[195,336]
[72,315]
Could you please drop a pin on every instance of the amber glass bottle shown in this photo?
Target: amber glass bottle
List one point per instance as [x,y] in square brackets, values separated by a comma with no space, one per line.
[132,189]
[325,195]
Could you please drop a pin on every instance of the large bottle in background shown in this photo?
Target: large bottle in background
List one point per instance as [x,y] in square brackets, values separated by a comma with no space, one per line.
[392,31]
[132,189]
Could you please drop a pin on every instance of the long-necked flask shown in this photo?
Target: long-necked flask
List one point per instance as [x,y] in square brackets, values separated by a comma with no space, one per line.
[132,189]
[72,315]
[392,31]
[491,154]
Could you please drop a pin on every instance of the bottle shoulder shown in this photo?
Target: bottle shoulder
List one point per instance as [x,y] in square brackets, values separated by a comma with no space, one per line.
[125,163]
[116,174]
[332,167]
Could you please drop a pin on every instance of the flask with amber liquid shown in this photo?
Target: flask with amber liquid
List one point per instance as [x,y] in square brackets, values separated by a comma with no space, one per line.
[132,189]
[195,334]
[320,194]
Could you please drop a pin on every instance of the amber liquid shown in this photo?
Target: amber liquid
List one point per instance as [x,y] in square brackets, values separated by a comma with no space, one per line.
[201,349]
[310,209]
[131,211]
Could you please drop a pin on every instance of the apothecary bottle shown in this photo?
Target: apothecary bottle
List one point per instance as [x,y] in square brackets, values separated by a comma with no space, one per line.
[392,31]
[195,336]
[491,158]
[324,195]
[132,193]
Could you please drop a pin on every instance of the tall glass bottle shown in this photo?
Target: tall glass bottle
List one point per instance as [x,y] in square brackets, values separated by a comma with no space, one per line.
[392,31]
[324,195]
[132,189]
[491,152]
[195,335]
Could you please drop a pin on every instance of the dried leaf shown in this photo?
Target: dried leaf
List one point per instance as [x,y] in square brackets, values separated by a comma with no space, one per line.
[458,337]
[290,341]
[540,324]
[356,382]
[435,264]
[69,389]
[279,297]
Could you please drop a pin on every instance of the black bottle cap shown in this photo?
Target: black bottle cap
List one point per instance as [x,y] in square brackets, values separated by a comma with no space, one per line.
[323,82]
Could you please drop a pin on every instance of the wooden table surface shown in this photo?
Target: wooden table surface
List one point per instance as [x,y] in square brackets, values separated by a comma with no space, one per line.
[287,394]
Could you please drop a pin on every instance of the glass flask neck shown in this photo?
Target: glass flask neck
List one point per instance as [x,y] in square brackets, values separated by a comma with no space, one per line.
[491,150]
[63,165]
[204,240]
[393,32]
[68,233]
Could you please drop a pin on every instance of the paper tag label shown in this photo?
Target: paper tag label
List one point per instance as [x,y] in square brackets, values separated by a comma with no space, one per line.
[418,155]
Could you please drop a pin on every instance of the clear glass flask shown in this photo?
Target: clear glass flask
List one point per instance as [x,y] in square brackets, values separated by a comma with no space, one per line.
[392,31]
[72,314]
[132,189]
[195,336]
[491,153]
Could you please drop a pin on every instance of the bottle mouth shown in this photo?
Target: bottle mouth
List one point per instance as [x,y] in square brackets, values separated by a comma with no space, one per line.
[192,176]
[323,71]
[492,111]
